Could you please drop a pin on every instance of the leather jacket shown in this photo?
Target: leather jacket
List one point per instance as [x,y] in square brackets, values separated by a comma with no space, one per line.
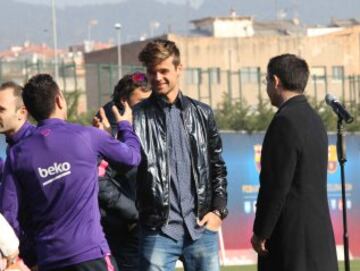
[208,167]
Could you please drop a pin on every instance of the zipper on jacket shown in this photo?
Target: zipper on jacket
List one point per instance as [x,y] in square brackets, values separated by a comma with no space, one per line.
[196,184]
[197,208]
[168,169]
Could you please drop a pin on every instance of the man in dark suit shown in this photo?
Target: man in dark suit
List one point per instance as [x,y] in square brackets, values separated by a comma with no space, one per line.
[292,228]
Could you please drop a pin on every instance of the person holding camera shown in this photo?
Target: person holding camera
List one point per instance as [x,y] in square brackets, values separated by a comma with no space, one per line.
[119,215]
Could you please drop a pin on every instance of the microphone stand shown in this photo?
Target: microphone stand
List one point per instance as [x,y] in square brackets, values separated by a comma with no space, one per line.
[340,147]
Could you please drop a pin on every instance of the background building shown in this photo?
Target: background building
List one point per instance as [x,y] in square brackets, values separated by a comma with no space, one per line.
[228,56]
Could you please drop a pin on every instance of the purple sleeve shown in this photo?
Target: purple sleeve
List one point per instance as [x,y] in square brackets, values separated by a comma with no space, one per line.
[126,151]
[1,168]
[10,197]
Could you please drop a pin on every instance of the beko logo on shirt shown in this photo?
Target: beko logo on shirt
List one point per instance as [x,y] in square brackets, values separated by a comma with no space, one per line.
[58,169]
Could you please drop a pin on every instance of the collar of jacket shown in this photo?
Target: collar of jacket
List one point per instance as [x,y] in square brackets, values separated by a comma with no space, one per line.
[293,100]
[21,133]
[181,101]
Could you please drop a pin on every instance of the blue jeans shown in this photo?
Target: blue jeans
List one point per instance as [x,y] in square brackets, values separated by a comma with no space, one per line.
[160,253]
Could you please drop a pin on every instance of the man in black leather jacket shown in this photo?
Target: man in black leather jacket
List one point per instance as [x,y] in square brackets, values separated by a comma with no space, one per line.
[119,215]
[181,183]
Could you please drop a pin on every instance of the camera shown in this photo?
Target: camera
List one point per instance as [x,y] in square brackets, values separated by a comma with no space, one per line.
[110,116]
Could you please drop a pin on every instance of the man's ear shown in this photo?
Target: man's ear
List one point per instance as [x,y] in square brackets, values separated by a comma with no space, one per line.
[22,113]
[60,101]
[277,82]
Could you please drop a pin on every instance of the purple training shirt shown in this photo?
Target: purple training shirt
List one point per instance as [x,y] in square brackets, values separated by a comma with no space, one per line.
[54,172]
[24,131]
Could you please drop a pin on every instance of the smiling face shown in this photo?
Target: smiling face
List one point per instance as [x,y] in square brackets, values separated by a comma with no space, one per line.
[164,78]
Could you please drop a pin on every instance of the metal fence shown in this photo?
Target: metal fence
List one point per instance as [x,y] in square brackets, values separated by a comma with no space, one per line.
[20,71]
[211,85]
[100,80]
[96,82]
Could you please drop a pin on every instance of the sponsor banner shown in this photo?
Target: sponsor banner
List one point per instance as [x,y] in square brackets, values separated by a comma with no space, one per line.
[242,153]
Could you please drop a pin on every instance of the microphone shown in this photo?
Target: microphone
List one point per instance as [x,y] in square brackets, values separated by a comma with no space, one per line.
[338,108]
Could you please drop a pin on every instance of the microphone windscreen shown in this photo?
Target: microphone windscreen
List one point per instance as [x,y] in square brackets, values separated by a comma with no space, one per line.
[329,99]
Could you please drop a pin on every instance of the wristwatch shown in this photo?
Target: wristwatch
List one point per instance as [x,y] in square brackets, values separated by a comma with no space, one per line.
[221,213]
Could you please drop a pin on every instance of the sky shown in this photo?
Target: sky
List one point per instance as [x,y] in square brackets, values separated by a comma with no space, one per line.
[311,12]
[82,2]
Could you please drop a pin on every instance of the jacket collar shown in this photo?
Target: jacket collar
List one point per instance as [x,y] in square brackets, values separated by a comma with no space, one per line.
[181,101]
[19,134]
[51,121]
[293,100]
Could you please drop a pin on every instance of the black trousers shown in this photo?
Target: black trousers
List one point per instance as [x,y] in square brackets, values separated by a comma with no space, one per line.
[124,246]
[102,264]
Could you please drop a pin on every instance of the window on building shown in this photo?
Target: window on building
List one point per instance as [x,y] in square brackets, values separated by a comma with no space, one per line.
[215,75]
[193,76]
[337,73]
[318,74]
[249,74]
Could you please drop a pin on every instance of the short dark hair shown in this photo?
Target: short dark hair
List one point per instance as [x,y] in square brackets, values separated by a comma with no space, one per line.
[128,84]
[292,71]
[17,91]
[157,51]
[39,96]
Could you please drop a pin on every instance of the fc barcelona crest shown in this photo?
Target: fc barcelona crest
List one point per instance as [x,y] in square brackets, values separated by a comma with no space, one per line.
[332,159]
[257,153]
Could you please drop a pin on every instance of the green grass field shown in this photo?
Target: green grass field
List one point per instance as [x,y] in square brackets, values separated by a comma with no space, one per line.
[354,266]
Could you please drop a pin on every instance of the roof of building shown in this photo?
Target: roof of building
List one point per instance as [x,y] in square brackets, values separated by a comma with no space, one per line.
[279,27]
[223,18]
[344,22]
[29,49]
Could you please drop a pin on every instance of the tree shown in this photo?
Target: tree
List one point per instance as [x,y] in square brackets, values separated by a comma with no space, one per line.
[261,116]
[239,116]
[232,116]
[72,99]
[330,119]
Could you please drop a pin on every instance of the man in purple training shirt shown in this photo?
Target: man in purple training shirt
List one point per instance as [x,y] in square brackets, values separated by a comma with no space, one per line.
[54,173]
[13,114]
[15,127]
[1,167]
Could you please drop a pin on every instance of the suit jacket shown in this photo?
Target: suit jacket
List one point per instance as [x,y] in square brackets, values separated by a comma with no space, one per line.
[292,207]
